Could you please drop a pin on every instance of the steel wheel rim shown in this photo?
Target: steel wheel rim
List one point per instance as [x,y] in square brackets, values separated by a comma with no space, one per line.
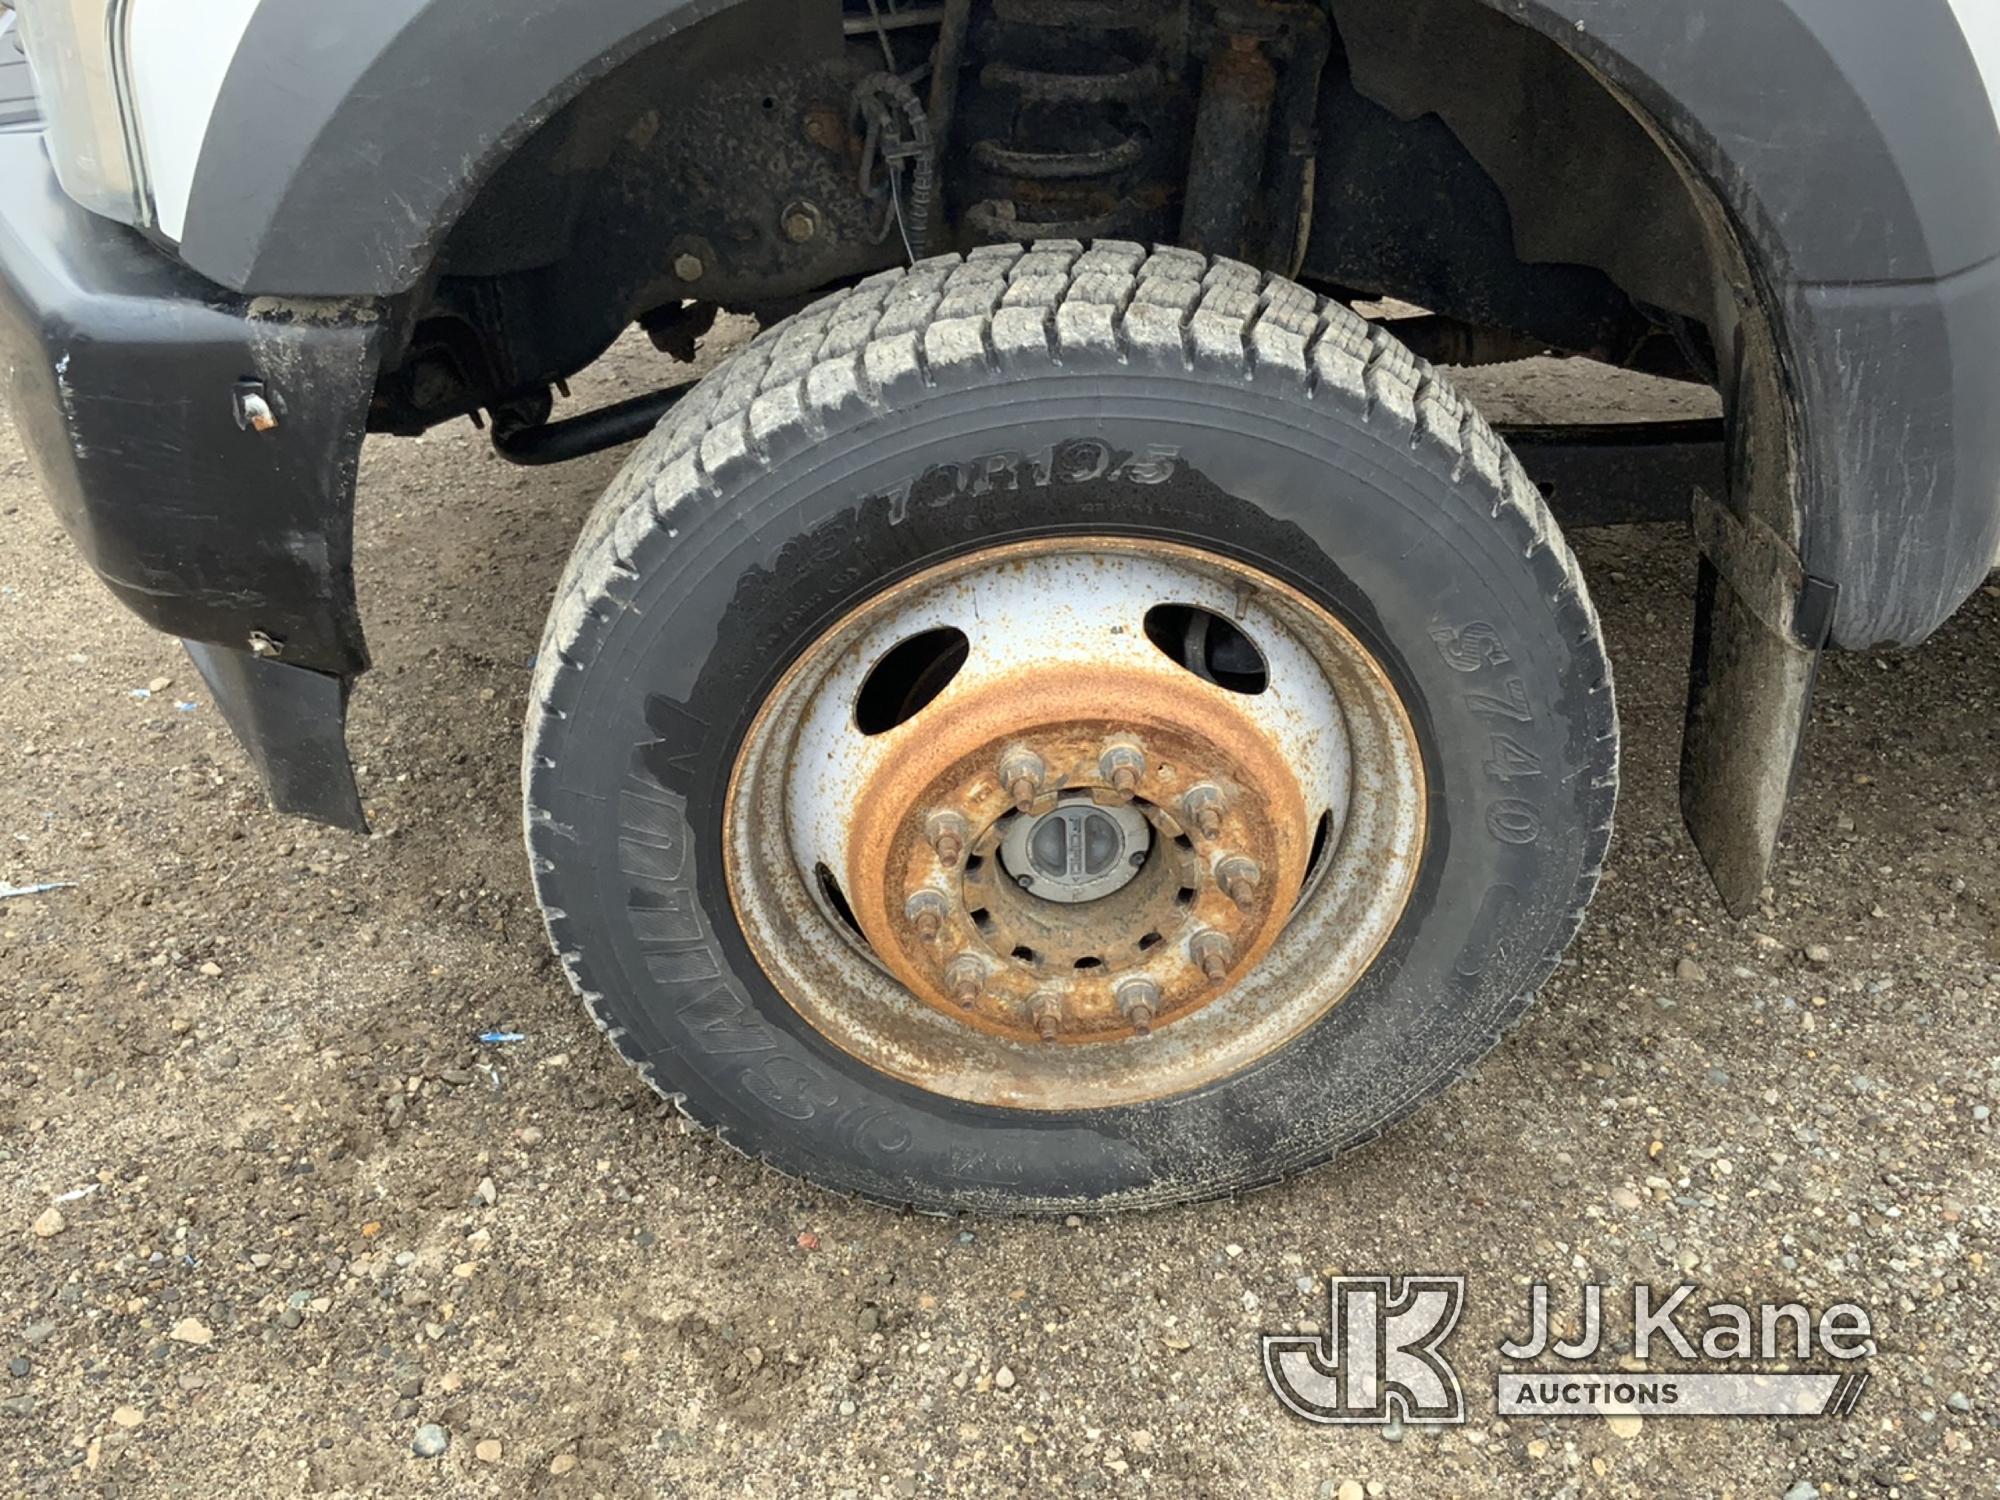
[876,875]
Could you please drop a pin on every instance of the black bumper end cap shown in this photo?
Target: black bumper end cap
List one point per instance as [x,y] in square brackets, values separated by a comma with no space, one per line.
[292,722]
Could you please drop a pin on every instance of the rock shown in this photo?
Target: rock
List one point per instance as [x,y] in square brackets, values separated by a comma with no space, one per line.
[291,1317]
[128,1416]
[530,1135]
[51,1223]
[431,1441]
[1959,1402]
[1818,955]
[1391,1431]
[1350,1489]
[1625,1198]
[1690,972]
[487,1450]
[19,1367]
[1625,1424]
[191,1331]
[1803,1490]
[488,1192]
[159,684]
[1003,1379]
[562,1463]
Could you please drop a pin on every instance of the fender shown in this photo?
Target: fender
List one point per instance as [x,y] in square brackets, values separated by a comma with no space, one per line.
[1851,145]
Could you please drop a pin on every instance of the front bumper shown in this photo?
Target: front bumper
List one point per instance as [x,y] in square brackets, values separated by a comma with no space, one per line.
[128,376]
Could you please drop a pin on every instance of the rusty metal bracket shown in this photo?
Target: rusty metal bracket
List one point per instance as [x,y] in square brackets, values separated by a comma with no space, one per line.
[1761,623]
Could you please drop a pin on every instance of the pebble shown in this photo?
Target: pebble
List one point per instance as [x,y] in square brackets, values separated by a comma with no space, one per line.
[51,1223]
[431,1441]
[128,1416]
[1959,1402]
[1690,972]
[1818,955]
[191,1331]
[291,1317]
[487,1450]
[562,1463]
[1803,1490]
[1003,1379]
[530,1135]
[1625,1425]
[19,1367]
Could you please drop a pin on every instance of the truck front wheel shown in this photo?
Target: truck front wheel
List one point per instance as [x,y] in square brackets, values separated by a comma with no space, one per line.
[1063,728]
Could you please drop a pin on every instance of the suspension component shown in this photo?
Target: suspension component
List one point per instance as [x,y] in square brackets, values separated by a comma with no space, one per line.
[1249,190]
[1077,123]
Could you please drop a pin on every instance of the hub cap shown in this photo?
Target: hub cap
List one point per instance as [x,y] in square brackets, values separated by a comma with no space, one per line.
[1132,817]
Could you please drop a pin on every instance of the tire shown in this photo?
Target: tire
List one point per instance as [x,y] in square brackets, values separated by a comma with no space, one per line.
[803,476]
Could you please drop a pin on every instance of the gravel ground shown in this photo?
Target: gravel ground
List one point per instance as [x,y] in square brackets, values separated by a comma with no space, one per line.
[272,1219]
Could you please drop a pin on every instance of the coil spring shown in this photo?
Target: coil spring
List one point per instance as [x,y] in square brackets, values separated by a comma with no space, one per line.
[1083,95]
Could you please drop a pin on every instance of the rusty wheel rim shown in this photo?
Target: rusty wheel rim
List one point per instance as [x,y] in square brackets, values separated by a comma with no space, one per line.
[1136,815]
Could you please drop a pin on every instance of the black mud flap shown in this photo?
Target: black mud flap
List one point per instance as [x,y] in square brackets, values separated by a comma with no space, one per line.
[1761,624]
[292,722]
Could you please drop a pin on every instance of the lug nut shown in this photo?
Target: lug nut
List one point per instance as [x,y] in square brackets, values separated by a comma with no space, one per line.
[1047,1009]
[1203,807]
[1139,999]
[1123,766]
[926,911]
[965,977]
[1022,773]
[1212,952]
[1238,878]
[947,833]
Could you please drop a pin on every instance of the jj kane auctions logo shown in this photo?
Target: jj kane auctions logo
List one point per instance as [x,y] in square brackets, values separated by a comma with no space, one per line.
[1382,1359]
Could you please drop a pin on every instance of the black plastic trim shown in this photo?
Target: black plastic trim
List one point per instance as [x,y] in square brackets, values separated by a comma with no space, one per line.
[292,723]
[123,367]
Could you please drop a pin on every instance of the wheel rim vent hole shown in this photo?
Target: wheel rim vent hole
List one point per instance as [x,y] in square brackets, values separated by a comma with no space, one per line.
[830,891]
[1212,648]
[908,679]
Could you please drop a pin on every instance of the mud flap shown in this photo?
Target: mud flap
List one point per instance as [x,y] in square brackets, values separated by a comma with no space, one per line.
[1761,623]
[292,722]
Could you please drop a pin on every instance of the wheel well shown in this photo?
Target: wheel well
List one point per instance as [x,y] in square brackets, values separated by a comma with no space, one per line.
[1464,162]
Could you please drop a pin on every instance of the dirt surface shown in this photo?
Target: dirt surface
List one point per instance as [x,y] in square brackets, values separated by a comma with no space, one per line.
[300,1209]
